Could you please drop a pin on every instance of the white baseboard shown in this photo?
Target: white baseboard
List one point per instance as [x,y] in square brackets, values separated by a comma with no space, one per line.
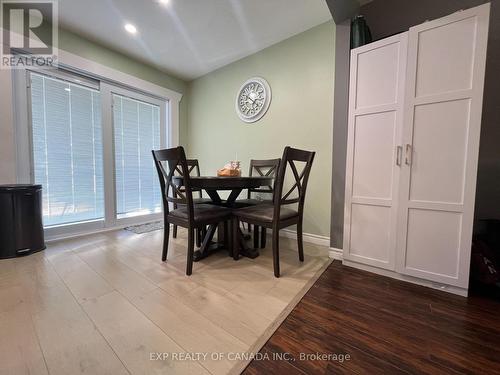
[314,239]
[337,254]
[287,233]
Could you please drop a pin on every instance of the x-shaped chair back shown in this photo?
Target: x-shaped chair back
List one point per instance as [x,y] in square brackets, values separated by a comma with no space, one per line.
[264,168]
[290,157]
[193,170]
[168,162]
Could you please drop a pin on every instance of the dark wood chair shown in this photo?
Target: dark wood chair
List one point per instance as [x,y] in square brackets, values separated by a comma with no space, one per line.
[275,216]
[265,168]
[187,215]
[193,169]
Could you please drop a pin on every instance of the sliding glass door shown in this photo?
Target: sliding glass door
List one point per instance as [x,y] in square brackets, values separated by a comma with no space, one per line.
[136,129]
[91,148]
[67,149]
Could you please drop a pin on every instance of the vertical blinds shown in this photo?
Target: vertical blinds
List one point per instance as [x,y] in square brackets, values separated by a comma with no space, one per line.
[136,132]
[67,149]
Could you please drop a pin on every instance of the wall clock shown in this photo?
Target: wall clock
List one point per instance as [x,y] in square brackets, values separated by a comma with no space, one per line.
[253,99]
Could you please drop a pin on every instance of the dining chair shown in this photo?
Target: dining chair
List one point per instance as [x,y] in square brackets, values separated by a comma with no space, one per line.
[276,216]
[264,168]
[187,215]
[193,169]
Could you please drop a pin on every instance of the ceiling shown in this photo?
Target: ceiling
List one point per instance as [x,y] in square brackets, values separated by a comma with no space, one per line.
[189,38]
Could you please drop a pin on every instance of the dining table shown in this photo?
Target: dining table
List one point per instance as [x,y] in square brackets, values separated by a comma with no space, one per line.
[212,185]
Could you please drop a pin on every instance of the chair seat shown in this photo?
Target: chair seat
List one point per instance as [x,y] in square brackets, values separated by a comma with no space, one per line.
[263,213]
[203,213]
[202,200]
[252,202]
[197,201]
[242,203]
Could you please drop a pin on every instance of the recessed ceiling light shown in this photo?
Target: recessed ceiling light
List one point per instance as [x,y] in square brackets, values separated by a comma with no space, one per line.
[164,2]
[131,28]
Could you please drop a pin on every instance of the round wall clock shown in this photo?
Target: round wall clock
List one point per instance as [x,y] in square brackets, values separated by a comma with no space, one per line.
[253,99]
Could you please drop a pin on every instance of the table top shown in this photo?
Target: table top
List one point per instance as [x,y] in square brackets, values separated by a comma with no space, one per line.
[226,182]
[20,187]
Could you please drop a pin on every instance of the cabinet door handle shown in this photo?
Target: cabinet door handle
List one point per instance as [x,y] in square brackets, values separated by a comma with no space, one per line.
[399,155]
[408,156]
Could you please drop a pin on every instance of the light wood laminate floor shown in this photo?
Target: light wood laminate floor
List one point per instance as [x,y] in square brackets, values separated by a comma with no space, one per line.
[105,304]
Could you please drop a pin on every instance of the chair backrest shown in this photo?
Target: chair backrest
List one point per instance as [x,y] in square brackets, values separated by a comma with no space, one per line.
[193,170]
[290,156]
[168,162]
[264,168]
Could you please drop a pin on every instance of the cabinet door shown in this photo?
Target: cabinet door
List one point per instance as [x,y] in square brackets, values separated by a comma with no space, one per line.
[443,100]
[373,156]
[7,228]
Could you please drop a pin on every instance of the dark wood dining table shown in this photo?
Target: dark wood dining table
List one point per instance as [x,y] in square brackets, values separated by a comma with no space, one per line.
[212,185]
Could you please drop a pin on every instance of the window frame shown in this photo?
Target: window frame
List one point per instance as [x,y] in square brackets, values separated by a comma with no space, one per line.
[111,81]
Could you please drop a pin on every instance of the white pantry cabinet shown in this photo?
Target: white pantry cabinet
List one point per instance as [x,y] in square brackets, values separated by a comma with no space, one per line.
[414,122]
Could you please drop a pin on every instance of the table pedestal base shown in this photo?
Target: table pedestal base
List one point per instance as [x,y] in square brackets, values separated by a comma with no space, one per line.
[209,246]
[209,250]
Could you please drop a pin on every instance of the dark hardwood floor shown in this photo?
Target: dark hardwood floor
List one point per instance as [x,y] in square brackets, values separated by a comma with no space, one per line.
[386,327]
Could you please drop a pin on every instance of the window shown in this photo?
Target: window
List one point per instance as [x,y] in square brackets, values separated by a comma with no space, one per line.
[90,148]
[136,129]
[67,149]
[88,143]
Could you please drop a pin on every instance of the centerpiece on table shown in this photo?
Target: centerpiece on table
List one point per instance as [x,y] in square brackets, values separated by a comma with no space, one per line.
[232,169]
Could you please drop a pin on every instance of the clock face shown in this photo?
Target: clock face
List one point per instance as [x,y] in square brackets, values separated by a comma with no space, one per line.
[253,99]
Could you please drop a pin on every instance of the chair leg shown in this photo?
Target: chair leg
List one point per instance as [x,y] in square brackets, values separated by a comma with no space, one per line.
[227,225]
[235,237]
[198,237]
[299,241]
[174,232]
[276,252]
[263,236]
[256,236]
[190,252]
[166,235]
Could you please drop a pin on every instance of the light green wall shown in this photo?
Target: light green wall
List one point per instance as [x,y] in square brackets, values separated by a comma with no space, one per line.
[300,71]
[80,46]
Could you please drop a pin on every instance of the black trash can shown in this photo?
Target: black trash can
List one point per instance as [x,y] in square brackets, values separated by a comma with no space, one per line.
[21,227]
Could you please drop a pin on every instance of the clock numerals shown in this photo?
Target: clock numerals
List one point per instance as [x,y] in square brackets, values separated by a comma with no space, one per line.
[252,101]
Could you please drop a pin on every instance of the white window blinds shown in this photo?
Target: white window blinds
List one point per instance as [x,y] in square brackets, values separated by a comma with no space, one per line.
[67,149]
[136,127]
